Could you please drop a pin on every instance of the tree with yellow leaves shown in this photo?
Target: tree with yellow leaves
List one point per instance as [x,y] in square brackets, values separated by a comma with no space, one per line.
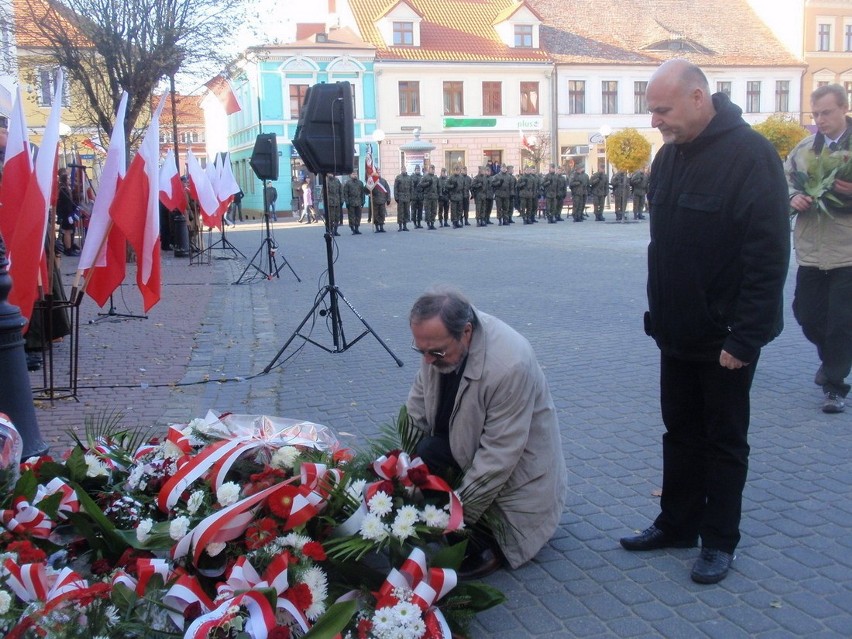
[628,150]
[783,131]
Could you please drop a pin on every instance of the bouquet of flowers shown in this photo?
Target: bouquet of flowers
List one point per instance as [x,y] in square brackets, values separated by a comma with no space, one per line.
[232,526]
[818,179]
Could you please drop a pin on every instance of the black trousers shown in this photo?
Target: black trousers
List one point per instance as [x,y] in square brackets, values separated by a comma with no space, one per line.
[822,305]
[706,410]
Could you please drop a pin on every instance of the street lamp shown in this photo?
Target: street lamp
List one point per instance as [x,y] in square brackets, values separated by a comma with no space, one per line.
[378,138]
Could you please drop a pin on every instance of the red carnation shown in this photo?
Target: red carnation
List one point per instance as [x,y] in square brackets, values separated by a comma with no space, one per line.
[101,567]
[279,632]
[27,553]
[260,533]
[300,595]
[314,550]
[364,628]
[418,475]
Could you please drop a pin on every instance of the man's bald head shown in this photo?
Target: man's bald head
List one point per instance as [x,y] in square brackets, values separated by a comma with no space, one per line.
[679,101]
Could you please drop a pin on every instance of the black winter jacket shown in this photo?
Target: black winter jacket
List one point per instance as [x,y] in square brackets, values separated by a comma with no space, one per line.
[720,242]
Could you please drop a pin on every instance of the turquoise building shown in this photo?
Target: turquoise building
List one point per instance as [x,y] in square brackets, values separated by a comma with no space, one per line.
[271,87]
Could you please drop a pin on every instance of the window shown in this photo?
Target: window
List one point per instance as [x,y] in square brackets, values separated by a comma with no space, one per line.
[403,33]
[609,96]
[724,87]
[529,98]
[523,36]
[640,102]
[753,96]
[782,96]
[409,98]
[824,37]
[453,98]
[847,37]
[452,159]
[822,83]
[492,98]
[47,85]
[847,86]
[494,156]
[576,96]
[297,99]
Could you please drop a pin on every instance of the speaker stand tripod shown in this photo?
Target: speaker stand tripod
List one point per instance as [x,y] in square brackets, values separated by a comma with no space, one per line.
[224,244]
[271,248]
[334,294]
[112,313]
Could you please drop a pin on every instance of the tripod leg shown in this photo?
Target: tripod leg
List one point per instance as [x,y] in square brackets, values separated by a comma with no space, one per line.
[295,333]
[369,329]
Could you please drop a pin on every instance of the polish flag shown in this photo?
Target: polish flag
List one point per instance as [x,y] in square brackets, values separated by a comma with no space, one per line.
[135,211]
[202,192]
[222,89]
[26,248]
[226,186]
[103,258]
[16,171]
[172,194]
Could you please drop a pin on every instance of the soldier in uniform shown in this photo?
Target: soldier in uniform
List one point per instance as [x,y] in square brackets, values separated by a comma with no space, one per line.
[416,198]
[467,181]
[504,192]
[579,190]
[563,192]
[455,192]
[489,193]
[551,186]
[402,195]
[620,183]
[443,200]
[353,196]
[479,190]
[428,188]
[598,188]
[379,196]
[528,194]
[639,186]
[334,195]
[516,197]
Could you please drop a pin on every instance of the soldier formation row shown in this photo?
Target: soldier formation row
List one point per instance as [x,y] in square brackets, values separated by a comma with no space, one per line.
[441,199]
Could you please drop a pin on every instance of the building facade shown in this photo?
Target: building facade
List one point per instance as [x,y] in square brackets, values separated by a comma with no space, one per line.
[827,47]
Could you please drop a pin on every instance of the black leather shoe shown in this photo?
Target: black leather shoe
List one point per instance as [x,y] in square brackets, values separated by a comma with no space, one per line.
[711,567]
[480,565]
[652,538]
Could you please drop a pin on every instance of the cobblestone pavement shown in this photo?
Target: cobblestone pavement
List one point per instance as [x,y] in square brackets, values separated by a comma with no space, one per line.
[577,292]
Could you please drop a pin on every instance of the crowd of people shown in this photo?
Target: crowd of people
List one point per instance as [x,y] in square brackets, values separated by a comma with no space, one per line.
[428,200]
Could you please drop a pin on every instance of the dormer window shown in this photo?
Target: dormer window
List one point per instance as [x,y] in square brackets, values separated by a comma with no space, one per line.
[403,34]
[523,36]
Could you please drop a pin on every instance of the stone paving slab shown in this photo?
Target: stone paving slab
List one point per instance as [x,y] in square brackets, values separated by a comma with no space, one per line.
[577,292]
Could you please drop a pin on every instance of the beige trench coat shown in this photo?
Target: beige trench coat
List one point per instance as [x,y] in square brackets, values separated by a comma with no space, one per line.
[504,434]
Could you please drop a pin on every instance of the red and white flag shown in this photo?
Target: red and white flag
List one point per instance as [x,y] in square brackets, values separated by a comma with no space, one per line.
[222,89]
[202,192]
[371,171]
[172,194]
[227,185]
[104,250]
[136,211]
[26,248]
[17,171]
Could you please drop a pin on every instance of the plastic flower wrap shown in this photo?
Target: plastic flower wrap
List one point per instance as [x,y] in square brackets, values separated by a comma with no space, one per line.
[11,447]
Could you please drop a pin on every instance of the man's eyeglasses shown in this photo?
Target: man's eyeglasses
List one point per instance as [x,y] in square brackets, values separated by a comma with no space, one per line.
[435,354]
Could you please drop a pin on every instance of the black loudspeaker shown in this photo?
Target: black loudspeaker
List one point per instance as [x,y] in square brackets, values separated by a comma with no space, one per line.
[264,158]
[325,135]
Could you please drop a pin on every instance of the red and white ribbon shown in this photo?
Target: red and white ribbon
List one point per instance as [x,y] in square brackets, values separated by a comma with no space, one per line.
[25,518]
[182,594]
[261,617]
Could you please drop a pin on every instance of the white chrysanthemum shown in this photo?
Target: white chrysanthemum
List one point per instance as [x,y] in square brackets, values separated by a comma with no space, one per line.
[228,493]
[285,457]
[315,579]
[199,425]
[178,527]
[170,450]
[435,517]
[143,530]
[402,530]
[383,621]
[406,612]
[112,615]
[293,540]
[373,529]
[380,504]
[135,477]
[5,602]
[94,467]
[194,502]
[215,548]
[408,515]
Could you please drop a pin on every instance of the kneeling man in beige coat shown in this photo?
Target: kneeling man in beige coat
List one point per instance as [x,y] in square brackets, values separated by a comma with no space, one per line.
[484,403]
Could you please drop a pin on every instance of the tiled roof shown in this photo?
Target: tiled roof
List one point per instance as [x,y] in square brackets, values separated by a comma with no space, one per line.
[715,32]
[335,38]
[451,31]
[29,13]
